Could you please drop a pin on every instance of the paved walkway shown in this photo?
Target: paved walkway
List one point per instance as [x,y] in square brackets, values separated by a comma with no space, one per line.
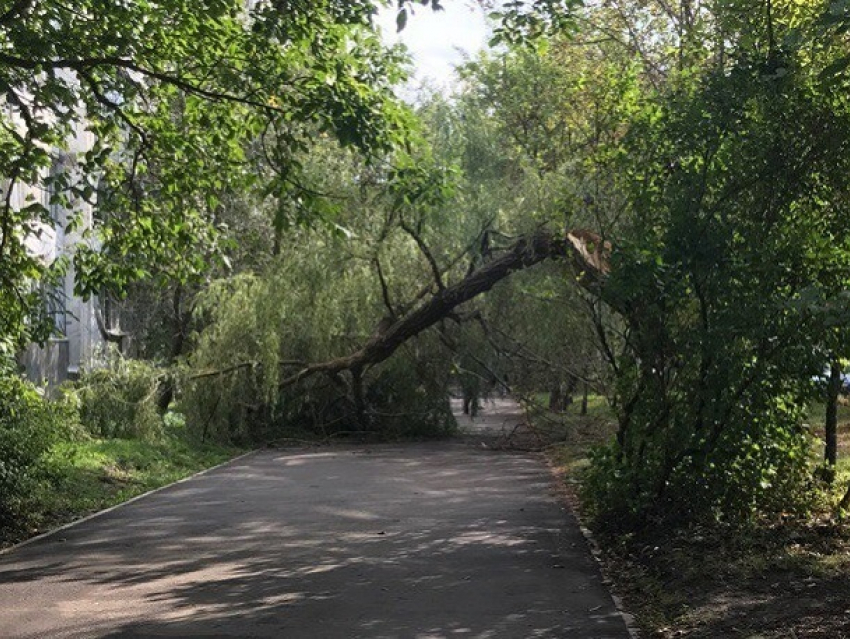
[394,541]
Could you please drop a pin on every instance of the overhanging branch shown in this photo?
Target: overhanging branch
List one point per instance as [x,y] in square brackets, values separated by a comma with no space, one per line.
[587,251]
[526,252]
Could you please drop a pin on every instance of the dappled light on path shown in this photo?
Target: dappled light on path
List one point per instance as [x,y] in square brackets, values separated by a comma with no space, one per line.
[421,540]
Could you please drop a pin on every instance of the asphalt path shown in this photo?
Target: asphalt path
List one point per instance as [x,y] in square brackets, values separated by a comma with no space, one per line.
[431,540]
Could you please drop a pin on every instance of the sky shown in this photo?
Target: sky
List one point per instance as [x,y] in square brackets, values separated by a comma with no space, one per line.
[437,40]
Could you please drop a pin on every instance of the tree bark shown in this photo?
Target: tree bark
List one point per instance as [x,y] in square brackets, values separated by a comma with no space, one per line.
[831,421]
[178,343]
[584,399]
[526,252]
[359,397]
[555,402]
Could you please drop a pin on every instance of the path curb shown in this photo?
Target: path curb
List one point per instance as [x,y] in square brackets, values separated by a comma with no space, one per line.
[595,551]
[105,511]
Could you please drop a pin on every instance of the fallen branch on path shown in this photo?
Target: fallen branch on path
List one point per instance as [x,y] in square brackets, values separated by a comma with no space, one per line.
[589,257]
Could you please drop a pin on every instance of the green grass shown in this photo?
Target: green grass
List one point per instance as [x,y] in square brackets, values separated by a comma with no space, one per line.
[815,416]
[597,405]
[92,474]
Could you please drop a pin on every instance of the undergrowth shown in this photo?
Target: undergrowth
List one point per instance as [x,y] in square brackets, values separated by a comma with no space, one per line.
[88,474]
[780,577]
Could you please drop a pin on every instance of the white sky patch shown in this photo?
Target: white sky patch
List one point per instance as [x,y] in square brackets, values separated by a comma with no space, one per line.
[438,40]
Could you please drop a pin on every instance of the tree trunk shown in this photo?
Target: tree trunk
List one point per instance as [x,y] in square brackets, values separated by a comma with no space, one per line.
[359,398]
[584,399]
[555,403]
[831,422]
[178,343]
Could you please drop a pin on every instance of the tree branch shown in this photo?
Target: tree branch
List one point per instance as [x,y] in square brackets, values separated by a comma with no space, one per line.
[526,252]
[101,98]
[438,278]
[82,64]
[385,292]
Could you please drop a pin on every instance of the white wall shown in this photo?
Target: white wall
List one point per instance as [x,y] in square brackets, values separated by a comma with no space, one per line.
[81,343]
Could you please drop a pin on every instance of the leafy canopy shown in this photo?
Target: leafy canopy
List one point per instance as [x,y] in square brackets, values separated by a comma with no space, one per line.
[167,101]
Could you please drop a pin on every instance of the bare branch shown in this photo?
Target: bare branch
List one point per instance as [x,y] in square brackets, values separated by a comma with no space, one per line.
[385,292]
[449,343]
[435,270]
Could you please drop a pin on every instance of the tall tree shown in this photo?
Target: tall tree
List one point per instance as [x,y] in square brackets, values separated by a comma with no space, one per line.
[170,94]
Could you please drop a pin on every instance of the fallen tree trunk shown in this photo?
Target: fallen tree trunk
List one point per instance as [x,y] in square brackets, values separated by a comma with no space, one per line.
[589,254]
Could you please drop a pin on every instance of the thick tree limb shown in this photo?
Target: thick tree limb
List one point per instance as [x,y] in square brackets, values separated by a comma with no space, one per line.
[586,249]
[526,252]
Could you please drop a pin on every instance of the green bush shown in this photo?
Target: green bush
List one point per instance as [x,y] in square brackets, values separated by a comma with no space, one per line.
[120,400]
[405,397]
[29,426]
[754,464]
[409,395]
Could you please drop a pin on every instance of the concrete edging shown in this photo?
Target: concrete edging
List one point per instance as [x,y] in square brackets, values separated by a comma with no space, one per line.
[593,545]
[99,513]
[595,551]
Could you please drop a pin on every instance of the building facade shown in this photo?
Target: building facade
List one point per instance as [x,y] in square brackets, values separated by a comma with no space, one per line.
[78,341]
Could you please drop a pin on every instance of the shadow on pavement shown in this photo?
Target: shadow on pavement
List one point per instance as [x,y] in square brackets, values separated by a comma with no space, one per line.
[425,540]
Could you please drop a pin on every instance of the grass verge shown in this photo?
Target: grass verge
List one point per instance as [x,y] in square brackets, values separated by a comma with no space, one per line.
[92,474]
[778,580]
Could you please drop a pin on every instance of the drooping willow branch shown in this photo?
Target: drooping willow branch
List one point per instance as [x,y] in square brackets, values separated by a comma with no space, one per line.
[589,255]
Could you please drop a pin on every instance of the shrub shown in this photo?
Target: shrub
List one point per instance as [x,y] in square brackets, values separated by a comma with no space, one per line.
[409,395]
[120,400]
[752,463]
[29,426]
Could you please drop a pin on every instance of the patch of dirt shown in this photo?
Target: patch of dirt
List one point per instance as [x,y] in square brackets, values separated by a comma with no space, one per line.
[788,582]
